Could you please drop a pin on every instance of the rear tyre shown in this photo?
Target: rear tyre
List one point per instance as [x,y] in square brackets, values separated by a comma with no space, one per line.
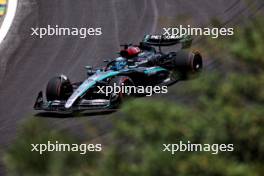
[187,63]
[59,88]
[120,81]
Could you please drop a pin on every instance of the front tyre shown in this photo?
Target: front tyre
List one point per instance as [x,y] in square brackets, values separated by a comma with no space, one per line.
[117,98]
[59,88]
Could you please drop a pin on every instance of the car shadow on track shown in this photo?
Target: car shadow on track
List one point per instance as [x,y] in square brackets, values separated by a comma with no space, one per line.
[74,114]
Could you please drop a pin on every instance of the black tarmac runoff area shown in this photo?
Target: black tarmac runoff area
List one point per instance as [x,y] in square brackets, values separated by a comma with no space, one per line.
[28,62]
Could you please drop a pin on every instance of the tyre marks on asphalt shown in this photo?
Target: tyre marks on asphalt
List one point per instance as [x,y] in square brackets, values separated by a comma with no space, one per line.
[155,16]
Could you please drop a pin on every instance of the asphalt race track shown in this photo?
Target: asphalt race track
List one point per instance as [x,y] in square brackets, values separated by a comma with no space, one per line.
[28,62]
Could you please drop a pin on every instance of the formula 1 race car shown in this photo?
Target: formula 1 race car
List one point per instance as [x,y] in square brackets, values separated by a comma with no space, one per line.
[137,65]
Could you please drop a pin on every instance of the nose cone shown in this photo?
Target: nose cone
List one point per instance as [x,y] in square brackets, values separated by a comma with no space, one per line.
[68,104]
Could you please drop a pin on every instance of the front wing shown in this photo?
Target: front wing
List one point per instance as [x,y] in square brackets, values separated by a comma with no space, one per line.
[59,105]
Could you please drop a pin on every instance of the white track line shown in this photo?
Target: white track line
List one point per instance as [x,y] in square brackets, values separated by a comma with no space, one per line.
[8,19]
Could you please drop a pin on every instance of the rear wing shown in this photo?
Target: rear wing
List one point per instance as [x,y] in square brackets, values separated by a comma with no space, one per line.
[163,40]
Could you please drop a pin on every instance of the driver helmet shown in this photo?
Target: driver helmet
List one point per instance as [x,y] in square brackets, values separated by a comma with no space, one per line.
[130,52]
[133,51]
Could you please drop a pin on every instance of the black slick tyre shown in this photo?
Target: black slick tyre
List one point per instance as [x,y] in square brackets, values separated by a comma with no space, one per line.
[120,81]
[58,88]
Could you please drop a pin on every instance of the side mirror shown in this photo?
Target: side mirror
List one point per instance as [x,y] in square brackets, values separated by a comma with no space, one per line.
[90,70]
[106,61]
[88,67]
